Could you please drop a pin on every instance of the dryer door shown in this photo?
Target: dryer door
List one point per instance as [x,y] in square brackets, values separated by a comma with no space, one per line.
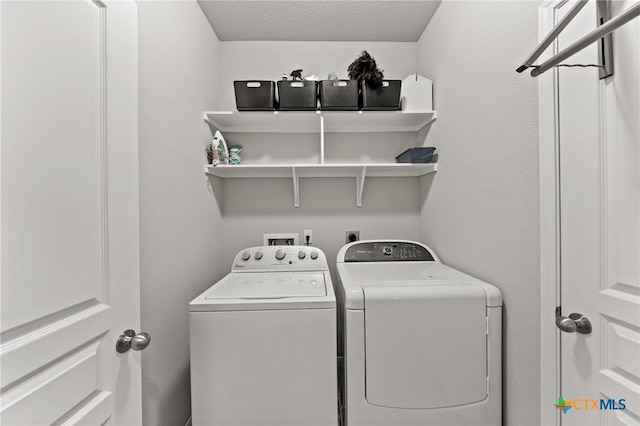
[425,344]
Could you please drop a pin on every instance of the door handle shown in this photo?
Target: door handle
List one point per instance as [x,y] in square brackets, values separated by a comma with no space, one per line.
[130,340]
[573,323]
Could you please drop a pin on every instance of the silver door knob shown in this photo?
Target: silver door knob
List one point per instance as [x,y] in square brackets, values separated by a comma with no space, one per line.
[573,323]
[130,340]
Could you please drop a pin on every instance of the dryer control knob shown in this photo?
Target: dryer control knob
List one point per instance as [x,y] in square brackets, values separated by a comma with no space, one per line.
[314,255]
[246,256]
[280,254]
[302,254]
[387,250]
[258,255]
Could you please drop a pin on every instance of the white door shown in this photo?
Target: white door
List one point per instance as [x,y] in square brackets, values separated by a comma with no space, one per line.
[598,129]
[70,264]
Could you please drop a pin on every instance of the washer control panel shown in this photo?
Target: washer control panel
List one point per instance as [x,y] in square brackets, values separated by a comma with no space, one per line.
[286,258]
[388,251]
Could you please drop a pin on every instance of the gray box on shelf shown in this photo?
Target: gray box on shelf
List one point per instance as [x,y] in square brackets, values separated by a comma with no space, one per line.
[298,95]
[417,155]
[383,98]
[339,95]
[255,95]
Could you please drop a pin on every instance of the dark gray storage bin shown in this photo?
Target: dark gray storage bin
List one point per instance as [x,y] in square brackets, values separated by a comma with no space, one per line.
[416,155]
[297,95]
[255,95]
[339,95]
[384,98]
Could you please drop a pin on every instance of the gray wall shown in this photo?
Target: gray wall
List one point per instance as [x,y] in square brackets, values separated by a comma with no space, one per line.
[327,207]
[482,211]
[180,238]
[251,207]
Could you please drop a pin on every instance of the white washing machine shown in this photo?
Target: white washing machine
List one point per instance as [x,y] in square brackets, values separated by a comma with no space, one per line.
[421,341]
[263,342]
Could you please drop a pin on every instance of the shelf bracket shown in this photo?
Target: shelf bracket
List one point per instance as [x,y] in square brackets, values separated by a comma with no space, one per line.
[296,187]
[212,126]
[360,186]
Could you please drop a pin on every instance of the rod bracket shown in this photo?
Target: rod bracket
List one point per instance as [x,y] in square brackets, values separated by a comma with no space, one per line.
[605,44]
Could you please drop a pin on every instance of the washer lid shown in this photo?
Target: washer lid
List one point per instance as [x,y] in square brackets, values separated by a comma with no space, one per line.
[272,285]
[252,291]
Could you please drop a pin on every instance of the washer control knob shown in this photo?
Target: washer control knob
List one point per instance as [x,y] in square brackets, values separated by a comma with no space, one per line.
[280,254]
[314,255]
[302,254]
[258,255]
[386,250]
[246,256]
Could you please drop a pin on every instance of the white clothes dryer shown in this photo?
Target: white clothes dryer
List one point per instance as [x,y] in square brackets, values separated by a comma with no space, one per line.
[421,341]
[263,342]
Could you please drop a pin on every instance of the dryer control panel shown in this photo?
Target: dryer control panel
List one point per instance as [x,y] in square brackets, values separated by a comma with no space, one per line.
[387,251]
[280,258]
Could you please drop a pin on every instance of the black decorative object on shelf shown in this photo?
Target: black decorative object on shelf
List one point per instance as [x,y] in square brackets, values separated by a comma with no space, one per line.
[364,68]
[296,74]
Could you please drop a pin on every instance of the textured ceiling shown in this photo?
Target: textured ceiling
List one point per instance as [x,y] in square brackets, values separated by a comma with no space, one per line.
[319,20]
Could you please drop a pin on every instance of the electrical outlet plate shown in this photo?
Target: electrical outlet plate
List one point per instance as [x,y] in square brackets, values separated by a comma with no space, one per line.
[349,236]
[307,232]
[288,239]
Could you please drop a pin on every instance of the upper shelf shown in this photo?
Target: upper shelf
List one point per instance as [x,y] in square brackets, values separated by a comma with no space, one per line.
[311,121]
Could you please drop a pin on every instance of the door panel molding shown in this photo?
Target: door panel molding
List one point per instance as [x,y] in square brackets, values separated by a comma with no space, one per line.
[611,384]
[27,355]
[622,349]
[46,397]
[620,304]
[94,410]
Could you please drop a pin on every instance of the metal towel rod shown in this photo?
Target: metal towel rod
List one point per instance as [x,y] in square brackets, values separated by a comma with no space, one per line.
[604,29]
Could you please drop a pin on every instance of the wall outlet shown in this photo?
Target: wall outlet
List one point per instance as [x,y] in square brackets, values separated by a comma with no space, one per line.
[307,237]
[351,236]
[280,239]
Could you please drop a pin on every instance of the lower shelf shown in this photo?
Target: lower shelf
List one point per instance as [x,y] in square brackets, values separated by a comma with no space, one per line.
[296,171]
